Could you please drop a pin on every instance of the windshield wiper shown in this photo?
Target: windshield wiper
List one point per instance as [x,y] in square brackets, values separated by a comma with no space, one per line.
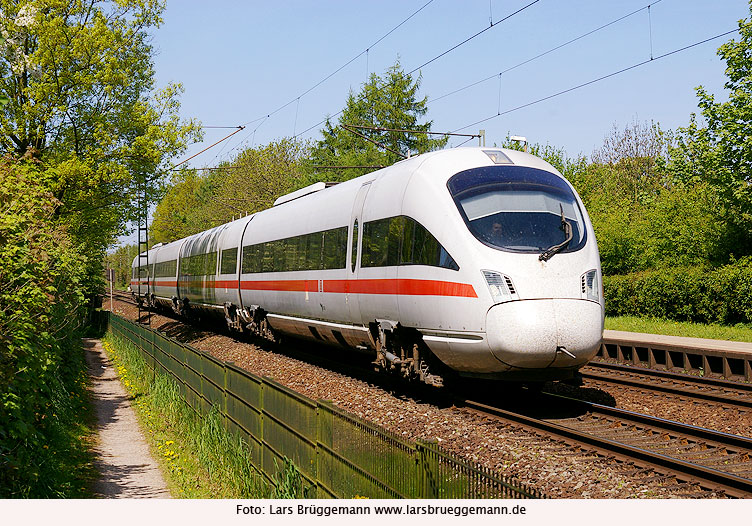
[567,227]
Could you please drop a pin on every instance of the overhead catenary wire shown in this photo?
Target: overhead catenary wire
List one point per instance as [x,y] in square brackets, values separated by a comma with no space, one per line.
[650,31]
[493,24]
[377,143]
[377,128]
[468,39]
[239,129]
[343,66]
[593,81]
[353,127]
[547,52]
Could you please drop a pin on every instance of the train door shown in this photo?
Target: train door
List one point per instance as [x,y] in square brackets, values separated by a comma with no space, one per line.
[356,234]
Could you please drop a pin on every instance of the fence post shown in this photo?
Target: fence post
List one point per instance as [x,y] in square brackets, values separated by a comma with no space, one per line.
[153,335]
[225,418]
[429,489]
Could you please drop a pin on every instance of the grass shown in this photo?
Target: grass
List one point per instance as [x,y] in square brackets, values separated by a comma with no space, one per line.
[199,457]
[739,332]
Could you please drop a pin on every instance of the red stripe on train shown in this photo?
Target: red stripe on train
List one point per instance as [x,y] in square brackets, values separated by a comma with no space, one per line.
[292,285]
[399,287]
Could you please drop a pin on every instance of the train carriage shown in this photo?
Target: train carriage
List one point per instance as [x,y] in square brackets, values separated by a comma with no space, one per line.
[481,260]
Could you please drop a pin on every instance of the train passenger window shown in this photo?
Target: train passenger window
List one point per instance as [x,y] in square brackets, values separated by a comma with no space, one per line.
[166,269]
[229,262]
[249,259]
[326,249]
[267,257]
[401,240]
[335,248]
[211,264]
[314,251]
[198,265]
[375,243]
[278,255]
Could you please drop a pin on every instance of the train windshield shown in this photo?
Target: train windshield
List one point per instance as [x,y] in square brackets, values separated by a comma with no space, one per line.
[518,209]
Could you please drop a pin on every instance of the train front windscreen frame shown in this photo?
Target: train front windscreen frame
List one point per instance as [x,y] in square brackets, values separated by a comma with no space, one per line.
[518,209]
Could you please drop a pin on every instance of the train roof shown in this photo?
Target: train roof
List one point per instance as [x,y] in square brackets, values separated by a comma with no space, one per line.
[436,167]
[462,158]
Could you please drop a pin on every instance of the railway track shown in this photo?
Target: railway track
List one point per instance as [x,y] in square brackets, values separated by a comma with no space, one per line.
[718,462]
[724,392]
[696,458]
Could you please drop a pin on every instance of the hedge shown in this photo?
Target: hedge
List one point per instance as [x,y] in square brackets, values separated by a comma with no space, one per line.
[715,295]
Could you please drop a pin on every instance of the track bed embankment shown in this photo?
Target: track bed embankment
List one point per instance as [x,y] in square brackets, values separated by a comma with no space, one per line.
[555,468]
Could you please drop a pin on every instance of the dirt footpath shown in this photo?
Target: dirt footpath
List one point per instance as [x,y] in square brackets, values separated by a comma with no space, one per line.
[123,459]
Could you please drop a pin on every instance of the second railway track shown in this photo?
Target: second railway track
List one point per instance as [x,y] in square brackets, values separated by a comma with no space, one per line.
[714,460]
[724,392]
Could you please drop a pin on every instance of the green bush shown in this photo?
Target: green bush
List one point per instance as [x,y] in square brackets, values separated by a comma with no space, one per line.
[41,360]
[703,295]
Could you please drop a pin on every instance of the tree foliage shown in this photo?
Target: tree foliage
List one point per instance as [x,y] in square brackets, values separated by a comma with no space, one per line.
[248,184]
[389,102]
[184,209]
[41,306]
[83,109]
[717,148]
[257,177]
[120,260]
[82,127]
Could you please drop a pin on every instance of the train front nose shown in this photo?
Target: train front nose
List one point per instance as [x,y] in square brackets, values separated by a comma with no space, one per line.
[536,334]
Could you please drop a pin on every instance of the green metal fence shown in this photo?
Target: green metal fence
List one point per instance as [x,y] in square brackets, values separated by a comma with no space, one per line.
[338,454]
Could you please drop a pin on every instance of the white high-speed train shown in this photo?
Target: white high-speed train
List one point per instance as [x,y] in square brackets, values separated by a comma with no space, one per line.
[480,260]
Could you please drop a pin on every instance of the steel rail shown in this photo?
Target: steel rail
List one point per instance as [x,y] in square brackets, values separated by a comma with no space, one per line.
[716,438]
[696,383]
[709,478]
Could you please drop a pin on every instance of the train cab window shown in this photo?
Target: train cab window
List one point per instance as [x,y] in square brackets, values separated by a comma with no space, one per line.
[401,240]
[229,261]
[517,208]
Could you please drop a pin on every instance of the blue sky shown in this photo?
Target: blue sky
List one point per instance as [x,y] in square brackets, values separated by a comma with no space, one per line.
[240,61]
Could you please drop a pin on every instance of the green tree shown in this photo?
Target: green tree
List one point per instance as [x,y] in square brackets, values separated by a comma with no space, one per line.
[257,177]
[120,261]
[635,158]
[83,110]
[717,148]
[41,305]
[184,208]
[249,183]
[389,102]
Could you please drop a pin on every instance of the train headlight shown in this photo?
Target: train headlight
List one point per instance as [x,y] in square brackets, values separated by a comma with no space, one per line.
[501,286]
[590,288]
[497,156]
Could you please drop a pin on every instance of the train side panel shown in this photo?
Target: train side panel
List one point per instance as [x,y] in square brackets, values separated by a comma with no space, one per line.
[166,262]
[283,255]
[228,246]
